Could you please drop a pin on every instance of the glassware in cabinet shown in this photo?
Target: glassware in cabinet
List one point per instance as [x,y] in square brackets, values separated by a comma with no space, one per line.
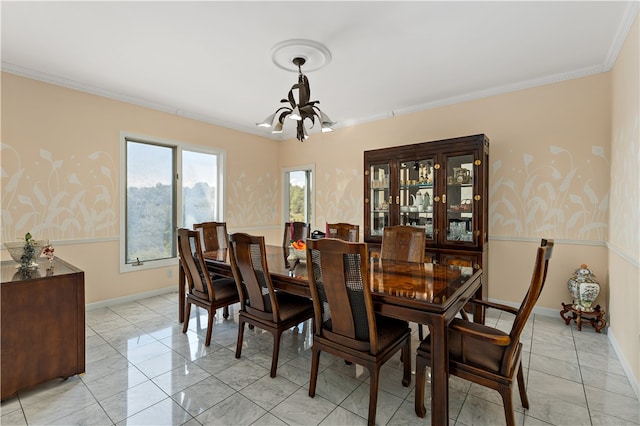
[379,197]
[459,204]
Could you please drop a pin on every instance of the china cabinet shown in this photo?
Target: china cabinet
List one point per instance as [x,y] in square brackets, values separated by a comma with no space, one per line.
[439,185]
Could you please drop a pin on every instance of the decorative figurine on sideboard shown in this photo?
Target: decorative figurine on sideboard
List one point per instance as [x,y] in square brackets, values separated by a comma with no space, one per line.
[584,290]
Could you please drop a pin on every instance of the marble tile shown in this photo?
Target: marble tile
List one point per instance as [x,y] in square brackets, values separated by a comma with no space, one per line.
[602,419]
[9,405]
[166,412]
[235,410]
[198,398]
[555,367]
[268,392]
[96,353]
[607,381]
[552,410]
[113,364]
[612,404]
[216,388]
[295,374]
[343,417]
[13,418]
[116,382]
[557,388]
[479,412]
[180,378]
[161,364]
[300,409]
[558,352]
[268,420]
[334,385]
[602,363]
[358,403]
[61,404]
[216,361]
[196,349]
[241,374]
[145,352]
[133,400]
[91,415]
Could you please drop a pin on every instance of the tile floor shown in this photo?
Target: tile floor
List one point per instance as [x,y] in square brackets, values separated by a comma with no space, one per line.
[142,370]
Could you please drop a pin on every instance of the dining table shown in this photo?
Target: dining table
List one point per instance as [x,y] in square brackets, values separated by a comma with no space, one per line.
[423,293]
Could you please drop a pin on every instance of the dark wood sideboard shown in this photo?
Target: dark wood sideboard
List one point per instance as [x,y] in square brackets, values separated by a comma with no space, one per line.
[42,323]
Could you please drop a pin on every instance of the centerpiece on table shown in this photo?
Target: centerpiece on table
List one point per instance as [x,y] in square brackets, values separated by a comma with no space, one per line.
[25,252]
[297,251]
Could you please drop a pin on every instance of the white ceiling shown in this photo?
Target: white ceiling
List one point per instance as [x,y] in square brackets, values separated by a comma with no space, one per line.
[211,60]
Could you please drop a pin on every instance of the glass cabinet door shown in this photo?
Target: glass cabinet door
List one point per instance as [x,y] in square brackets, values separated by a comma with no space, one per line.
[459,199]
[416,194]
[379,197]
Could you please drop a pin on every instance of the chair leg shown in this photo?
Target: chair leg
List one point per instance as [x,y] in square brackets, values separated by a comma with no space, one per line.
[373,395]
[507,401]
[315,363]
[420,332]
[240,338]
[276,352]
[187,314]
[225,312]
[210,314]
[522,389]
[406,363]
[421,372]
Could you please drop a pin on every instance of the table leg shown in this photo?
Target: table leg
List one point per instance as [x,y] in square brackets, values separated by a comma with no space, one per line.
[181,294]
[439,372]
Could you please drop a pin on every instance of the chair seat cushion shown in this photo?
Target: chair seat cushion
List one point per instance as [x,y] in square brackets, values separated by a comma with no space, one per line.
[478,352]
[389,330]
[225,288]
[292,306]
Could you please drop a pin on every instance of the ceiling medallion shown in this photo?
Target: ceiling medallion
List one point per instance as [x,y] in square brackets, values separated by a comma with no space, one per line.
[291,55]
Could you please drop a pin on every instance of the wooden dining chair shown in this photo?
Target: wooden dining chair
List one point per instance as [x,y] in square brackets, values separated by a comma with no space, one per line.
[260,305]
[486,355]
[294,231]
[345,324]
[214,235]
[407,244]
[402,242]
[202,290]
[343,231]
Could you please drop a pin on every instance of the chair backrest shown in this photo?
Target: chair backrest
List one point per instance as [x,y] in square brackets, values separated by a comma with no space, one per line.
[214,234]
[338,274]
[294,231]
[536,285]
[406,243]
[192,261]
[343,231]
[249,266]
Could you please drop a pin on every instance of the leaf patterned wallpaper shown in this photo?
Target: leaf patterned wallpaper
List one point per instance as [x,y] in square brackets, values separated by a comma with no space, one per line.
[550,193]
[58,198]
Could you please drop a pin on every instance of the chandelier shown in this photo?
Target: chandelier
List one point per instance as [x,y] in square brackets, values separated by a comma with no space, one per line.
[298,110]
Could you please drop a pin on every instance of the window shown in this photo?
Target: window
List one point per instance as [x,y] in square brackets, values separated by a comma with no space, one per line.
[166,185]
[299,199]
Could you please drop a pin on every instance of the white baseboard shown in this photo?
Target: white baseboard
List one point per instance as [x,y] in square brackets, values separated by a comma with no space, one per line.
[635,384]
[131,298]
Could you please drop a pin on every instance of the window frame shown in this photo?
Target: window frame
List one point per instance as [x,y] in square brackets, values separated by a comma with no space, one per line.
[311,192]
[178,147]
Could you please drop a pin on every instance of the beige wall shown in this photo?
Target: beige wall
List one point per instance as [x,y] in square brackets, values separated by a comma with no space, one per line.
[61,167]
[624,238]
[550,176]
